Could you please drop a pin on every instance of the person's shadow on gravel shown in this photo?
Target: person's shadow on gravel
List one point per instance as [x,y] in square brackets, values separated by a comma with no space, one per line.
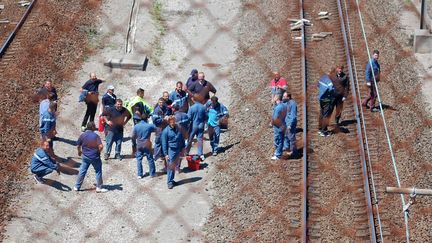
[225,148]
[202,166]
[66,140]
[69,162]
[345,123]
[67,170]
[57,185]
[114,187]
[188,180]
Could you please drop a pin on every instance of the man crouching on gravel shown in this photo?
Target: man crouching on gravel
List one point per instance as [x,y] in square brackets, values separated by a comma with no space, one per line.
[42,164]
[89,147]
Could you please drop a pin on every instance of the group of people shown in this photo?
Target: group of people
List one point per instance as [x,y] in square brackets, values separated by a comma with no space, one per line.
[179,117]
[333,89]
[176,120]
[284,118]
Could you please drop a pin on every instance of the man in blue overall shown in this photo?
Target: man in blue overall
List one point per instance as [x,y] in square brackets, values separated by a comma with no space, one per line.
[172,145]
[215,112]
[291,123]
[326,97]
[183,121]
[180,97]
[42,164]
[159,117]
[197,114]
[279,126]
[141,133]
[48,124]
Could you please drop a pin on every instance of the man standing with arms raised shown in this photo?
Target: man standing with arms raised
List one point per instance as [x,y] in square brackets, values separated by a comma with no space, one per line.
[91,99]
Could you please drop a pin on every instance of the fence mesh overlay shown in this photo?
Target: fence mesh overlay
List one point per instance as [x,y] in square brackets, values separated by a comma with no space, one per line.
[251,198]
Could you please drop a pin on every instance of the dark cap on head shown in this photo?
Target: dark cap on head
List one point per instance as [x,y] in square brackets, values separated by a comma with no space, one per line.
[91,126]
[175,106]
[194,71]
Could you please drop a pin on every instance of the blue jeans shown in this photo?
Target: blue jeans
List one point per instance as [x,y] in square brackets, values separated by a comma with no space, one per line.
[279,134]
[140,153]
[173,161]
[86,162]
[135,121]
[158,153]
[290,139]
[112,137]
[199,132]
[42,171]
[214,135]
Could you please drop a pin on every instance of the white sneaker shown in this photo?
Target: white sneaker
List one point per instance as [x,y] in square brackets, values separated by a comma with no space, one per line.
[101,190]
[75,189]
[38,179]
[274,157]
[323,133]
[83,128]
[139,177]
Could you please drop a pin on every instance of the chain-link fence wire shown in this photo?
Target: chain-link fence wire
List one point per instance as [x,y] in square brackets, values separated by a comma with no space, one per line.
[397,89]
[254,97]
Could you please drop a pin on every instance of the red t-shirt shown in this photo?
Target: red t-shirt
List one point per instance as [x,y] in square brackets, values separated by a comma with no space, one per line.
[279,86]
[280,83]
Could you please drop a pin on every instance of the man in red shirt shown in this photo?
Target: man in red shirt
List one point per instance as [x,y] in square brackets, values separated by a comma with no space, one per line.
[278,86]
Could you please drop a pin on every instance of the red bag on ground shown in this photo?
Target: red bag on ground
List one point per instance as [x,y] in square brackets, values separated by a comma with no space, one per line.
[194,161]
[101,126]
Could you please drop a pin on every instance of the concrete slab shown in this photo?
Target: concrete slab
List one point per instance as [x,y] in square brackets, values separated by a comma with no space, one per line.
[422,41]
[410,22]
[123,63]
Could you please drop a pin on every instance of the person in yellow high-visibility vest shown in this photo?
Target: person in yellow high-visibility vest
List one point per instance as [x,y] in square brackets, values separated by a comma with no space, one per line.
[137,107]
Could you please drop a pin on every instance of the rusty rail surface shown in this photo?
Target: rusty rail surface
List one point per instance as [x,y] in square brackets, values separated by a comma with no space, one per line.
[359,128]
[357,158]
[12,35]
[305,130]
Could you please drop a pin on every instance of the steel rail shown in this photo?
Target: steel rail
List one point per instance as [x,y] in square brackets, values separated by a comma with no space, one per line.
[12,35]
[359,129]
[375,196]
[305,162]
[386,129]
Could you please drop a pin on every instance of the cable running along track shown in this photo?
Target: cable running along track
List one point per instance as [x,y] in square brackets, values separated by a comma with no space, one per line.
[336,200]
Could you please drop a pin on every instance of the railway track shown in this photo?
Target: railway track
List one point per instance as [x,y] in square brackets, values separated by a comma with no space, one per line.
[336,203]
[392,228]
[12,35]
